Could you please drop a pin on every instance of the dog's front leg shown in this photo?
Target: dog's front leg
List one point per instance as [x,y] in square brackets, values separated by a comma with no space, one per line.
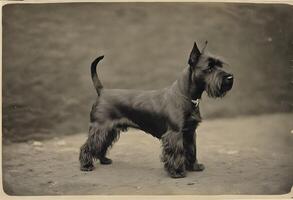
[189,142]
[173,154]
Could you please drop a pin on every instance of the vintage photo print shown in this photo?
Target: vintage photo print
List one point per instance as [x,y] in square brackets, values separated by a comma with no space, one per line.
[147,98]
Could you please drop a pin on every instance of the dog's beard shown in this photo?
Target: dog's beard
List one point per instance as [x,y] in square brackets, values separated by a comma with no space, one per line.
[214,87]
[214,92]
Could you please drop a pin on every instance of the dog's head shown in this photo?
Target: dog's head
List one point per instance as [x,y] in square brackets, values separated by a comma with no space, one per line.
[207,72]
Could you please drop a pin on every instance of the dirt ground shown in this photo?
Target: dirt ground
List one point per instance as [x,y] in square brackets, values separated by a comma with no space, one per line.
[245,155]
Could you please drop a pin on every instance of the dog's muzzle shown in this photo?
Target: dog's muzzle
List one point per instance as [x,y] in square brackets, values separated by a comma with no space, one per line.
[227,82]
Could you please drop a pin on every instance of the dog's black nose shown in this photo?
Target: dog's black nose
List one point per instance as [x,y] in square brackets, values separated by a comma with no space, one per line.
[230,77]
[227,82]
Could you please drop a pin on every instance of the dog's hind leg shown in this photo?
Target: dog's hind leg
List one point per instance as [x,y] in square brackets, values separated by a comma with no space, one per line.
[99,140]
[88,149]
[173,154]
[189,142]
[86,157]
[110,137]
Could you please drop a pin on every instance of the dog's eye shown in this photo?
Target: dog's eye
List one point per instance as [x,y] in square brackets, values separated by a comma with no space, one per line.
[209,70]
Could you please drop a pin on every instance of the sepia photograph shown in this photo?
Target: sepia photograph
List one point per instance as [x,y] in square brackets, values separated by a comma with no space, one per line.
[147,98]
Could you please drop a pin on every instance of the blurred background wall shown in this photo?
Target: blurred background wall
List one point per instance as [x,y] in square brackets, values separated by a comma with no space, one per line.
[48,48]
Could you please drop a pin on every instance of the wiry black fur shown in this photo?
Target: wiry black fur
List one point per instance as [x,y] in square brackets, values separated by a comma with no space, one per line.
[168,114]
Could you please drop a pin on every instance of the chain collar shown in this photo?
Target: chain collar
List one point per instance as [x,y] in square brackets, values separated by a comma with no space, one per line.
[195,102]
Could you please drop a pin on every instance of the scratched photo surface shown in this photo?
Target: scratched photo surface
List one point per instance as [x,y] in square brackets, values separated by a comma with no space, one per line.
[245,139]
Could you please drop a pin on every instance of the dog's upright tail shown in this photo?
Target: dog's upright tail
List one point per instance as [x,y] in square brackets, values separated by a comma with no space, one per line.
[97,83]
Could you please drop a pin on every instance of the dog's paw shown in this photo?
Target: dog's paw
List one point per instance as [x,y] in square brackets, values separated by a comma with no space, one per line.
[87,168]
[196,167]
[105,161]
[177,174]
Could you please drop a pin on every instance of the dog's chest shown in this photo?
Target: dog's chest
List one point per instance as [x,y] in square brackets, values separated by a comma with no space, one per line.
[191,120]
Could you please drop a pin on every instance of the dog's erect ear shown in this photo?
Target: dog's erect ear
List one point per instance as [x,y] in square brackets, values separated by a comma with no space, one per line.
[194,55]
[204,47]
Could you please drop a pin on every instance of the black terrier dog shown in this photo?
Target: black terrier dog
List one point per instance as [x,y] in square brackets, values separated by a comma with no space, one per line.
[170,114]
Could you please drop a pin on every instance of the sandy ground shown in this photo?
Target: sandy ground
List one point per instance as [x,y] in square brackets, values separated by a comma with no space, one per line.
[251,155]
